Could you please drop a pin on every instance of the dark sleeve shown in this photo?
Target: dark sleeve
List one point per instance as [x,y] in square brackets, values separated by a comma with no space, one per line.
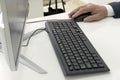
[116,8]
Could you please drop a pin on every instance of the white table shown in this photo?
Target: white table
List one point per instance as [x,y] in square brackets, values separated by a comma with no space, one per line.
[104,35]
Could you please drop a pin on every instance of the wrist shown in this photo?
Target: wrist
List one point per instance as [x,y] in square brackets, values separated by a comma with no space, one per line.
[110,11]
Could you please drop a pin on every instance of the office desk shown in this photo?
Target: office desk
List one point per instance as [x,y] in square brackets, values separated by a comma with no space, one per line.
[104,35]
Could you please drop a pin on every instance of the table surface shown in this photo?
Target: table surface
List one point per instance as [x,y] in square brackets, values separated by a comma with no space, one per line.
[104,35]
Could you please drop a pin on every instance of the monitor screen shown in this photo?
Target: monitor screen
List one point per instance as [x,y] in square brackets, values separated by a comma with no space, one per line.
[14,14]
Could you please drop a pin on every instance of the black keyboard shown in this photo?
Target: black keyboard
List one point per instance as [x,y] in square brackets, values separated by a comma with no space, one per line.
[75,53]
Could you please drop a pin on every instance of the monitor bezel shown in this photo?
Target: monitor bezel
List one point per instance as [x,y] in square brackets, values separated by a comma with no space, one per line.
[6,37]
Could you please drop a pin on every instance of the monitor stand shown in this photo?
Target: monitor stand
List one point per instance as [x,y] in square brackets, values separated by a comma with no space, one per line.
[24,60]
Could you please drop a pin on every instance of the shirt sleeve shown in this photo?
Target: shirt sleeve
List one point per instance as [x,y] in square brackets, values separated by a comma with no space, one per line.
[110,11]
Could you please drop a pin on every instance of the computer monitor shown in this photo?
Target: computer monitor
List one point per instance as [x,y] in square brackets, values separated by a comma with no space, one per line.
[14,14]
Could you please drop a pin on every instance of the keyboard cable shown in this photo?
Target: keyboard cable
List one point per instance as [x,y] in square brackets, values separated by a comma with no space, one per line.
[40,29]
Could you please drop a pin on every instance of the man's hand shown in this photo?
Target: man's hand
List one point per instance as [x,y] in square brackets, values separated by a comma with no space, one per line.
[98,12]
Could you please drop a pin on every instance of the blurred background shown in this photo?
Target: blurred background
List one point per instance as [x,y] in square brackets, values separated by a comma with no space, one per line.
[38,7]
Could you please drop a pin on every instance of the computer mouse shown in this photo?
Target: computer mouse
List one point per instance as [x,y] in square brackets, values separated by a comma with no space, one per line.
[80,18]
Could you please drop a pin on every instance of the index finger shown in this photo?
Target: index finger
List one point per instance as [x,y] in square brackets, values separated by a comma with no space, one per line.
[75,10]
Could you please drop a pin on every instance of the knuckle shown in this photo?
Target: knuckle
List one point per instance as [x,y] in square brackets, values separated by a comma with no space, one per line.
[90,5]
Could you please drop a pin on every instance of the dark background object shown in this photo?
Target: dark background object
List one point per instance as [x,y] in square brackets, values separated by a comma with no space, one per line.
[52,11]
[57,10]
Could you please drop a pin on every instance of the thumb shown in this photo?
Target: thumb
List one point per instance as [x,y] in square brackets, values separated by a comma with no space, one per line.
[91,18]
